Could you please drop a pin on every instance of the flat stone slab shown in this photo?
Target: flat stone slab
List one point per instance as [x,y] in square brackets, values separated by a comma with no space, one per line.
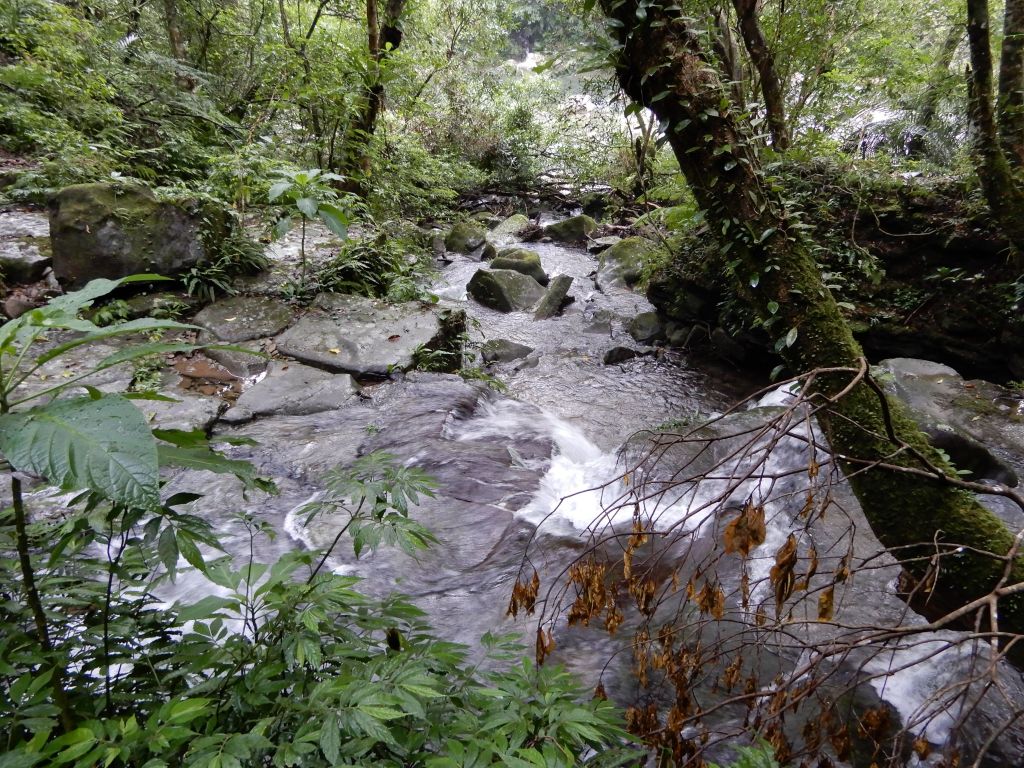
[361,336]
[243,318]
[188,412]
[294,389]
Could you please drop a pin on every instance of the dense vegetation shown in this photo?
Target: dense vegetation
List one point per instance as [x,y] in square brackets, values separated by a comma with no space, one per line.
[752,139]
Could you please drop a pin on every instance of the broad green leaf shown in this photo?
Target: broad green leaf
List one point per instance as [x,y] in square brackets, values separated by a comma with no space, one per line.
[283,226]
[307,205]
[211,461]
[104,445]
[330,738]
[277,189]
[335,219]
[791,336]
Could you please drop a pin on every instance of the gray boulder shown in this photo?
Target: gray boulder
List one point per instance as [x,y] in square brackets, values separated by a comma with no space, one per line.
[367,337]
[603,243]
[105,230]
[513,225]
[623,263]
[620,354]
[504,289]
[242,318]
[293,389]
[465,237]
[555,298]
[503,351]
[521,260]
[647,327]
[571,230]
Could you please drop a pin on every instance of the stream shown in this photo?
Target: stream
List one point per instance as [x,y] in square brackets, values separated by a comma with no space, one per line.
[644,465]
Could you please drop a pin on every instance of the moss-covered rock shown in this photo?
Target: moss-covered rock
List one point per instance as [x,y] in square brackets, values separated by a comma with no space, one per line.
[465,237]
[108,230]
[571,230]
[521,260]
[505,289]
[623,263]
[513,225]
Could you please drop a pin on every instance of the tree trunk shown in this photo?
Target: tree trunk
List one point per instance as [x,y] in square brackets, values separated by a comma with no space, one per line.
[1011,84]
[729,54]
[383,37]
[1005,199]
[764,61]
[175,39]
[716,153]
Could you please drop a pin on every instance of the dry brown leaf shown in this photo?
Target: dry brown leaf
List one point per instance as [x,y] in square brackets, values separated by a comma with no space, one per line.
[747,531]
[782,577]
[825,604]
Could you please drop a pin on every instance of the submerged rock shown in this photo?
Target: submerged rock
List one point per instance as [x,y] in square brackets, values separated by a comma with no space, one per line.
[556,297]
[365,337]
[504,289]
[521,260]
[571,230]
[622,264]
[465,237]
[107,230]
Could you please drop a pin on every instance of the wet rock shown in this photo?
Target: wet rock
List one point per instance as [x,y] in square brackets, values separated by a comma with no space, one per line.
[505,289]
[521,260]
[571,230]
[239,363]
[647,327]
[364,337]
[555,298]
[489,252]
[24,246]
[188,412]
[293,389]
[164,304]
[620,354]
[513,225]
[603,243]
[622,264]
[600,322]
[465,237]
[486,219]
[104,230]
[726,347]
[974,422]
[17,304]
[242,318]
[503,351]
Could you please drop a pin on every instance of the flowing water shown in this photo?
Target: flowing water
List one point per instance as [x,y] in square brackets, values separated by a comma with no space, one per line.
[557,468]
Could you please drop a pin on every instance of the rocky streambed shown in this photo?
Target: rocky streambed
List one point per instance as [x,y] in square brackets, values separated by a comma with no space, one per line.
[582,435]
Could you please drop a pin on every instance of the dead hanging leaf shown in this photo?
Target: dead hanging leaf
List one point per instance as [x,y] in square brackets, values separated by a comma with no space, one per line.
[643,594]
[922,747]
[711,599]
[592,595]
[808,507]
[600,694]
[841,743]
[731,674]
[745,589]
[760,618]
[746,531]
[524,596]
[812,469]
[545,645]
[825,604]
[782,577]
[812,568]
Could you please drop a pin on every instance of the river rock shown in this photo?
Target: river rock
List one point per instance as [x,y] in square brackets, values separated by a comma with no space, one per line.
[465,237]
[186,411]
[555,298]
[647,327]
[237,361]
[107,230]
[973,422]
[486,219]
[489,252]
[293,389]
[571,230]
[242,318]
[365,337]
[24,246]
[512,226]
[622,264]
[621,354]
[504,289]
[603,243]
[521,260]
[503,351]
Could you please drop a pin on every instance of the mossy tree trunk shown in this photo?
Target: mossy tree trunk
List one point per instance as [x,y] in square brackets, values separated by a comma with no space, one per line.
[1011,84]
[995,168]
[665,63]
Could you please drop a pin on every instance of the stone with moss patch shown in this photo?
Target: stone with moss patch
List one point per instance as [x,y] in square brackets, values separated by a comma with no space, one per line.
[513,225]
[521,260]
[505,289]
[465,237]
[623,263]
[571,230]
[109,230]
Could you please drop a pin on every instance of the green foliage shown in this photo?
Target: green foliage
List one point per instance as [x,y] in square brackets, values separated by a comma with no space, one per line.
[380,264]
[761,756]
[231,255]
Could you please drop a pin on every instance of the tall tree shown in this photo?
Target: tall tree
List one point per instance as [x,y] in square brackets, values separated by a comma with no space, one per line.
[998,145]
[664,62]
[764,61]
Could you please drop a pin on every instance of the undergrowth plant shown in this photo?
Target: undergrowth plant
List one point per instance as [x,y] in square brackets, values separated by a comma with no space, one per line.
[283,663]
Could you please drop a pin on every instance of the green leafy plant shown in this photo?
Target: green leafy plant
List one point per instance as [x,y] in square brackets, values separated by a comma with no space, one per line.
[309,194]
